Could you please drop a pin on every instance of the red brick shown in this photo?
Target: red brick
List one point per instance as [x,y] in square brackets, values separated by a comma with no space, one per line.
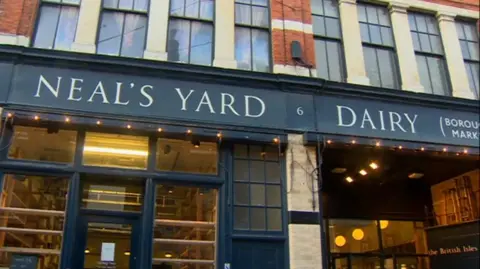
[18,16]
[282,41]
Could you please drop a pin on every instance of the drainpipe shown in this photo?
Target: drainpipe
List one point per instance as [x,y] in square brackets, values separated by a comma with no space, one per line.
[323,244]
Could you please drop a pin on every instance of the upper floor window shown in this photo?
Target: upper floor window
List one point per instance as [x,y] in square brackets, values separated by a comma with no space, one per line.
[429,53]
[190,34]
[378,46]
[252,36]
[328,40]
[123,28]
[468,35]
[57,24]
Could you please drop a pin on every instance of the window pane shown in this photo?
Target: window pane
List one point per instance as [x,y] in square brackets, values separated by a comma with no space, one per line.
[241,194]
[460,32]
[333,27]
[464,47]
[257,194]
[141,5]
[421,23]
[383,16]
[438,75]
[402,237]
[423,72]
[387,64]
[412,22]
[241,218]
[375,36]
[43,144]
[335,61]
[317,7]
[387,38]
[110,35]
[261,49]
[436,44]
[240,151]
[318,25]
[243,14]
[321,59]
[257,171]
[182,156]
[365,262]
[206,9]
[115,150]
[257,219]
[112,193]
[432,26]
[371,65]
[372,14]
[473,49]
[471,32]
[274,218]
[177,7]
[412,262]
[425,43]
[241,170]
[271,153]
[192,7]
[133,43]
[473,78]
[202,40]
[416,42]
[70,1]
[331,8]
[67,26]
[111,3]
[356,236]
[364,32]
[23,196]
[361,13]
[260,16]
[125,4]
[260,2]
[178,45]
[47,24]
[274,196]
[243,53]
[273,172]
[256,152]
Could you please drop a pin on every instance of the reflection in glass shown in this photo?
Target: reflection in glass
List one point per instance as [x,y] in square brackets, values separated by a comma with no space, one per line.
[190,42]
[365,262]
[354,243]
[183,156]
[56,27]
[115,150]
[32,217]
[185,227]
[111,193]
[404,237]
[43,144]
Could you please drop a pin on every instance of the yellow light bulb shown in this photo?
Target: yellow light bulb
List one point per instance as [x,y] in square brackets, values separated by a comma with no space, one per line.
[358,234]
[340,241]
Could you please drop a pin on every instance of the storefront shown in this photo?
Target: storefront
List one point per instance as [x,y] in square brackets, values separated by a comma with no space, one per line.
[114,163]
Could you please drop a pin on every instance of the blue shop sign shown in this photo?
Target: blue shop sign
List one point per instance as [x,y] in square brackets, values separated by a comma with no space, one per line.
[161,98]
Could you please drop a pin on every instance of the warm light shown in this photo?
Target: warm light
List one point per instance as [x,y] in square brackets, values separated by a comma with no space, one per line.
[115,151]
[219,135]
[127,253]
[353,141]
[400,147]
[358,234]
[363,172]
[422,149]
[444,149]
[349,179]
[9,115]
[189,131]
[383,224]
[67,119]
[329,141]
[160,130]
[415,175]
[373,165]
[129,126]
[87,251]
[36,118]
[340,241]
[275,140]
[465,151]
[99,122]
[377,144]
[168,255]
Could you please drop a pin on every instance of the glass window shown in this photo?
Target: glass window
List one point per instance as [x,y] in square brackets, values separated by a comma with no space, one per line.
[378,46]
[43,144]
[190,34]
[353,236]
[403,237]
[111,193]
[468,36]
[252,38]
[115,150]
[257,188]
[57,24]
[123,28]
[185,156]
[32,217]
[328,43]
[429,53]
[185,222]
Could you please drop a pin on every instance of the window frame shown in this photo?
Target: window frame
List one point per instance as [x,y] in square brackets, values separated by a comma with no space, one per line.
[469,61]
[190,20]
[125,12]
[326,38]
[53,3]
[250,27]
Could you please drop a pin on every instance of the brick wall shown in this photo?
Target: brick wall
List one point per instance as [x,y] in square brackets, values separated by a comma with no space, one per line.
[17,17]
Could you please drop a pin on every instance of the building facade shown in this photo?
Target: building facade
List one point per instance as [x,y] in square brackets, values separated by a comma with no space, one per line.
[239,134]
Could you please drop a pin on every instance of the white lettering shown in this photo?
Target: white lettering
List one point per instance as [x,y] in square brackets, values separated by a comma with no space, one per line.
[412,122]
[382,122]
[184,99]
[74,88]
[99,90]
[366,117]
[118,95]
[340,116]
[205,101]
[45,82]
[229,105]
[247,106]
[395,122]
[144,92]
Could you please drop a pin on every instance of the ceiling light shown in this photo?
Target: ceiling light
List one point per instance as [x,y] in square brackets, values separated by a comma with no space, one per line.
[422,149]
[87,251]
[115,151]
[99,122]
[159,130]
[353,141]
[377,144]
[129,126]
[189,131]
[444,149]
[373,165]
[67,119]
[465,151]
[219,135]
[363,172]
[275,140]
[168,255]
[329,141]
[349,179]
[9,115]
[36,117]
[358,234]
[400,147]
[339,170]
[383,224]
[340,241]
[415,175]
[127,253]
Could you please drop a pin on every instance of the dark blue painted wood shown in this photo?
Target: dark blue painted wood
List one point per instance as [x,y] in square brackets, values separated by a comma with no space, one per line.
[147,225]
[258,255]
[71,216]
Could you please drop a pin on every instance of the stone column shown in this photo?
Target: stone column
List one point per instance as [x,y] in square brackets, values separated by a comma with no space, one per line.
[302,195]
[156,47]
[85,37]
[352,43]
[454,57]
[225,34]
[404,45]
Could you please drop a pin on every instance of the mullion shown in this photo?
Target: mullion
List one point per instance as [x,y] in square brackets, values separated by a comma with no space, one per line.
[56,26]
[123,33]
[126,11]
[429,74]
[378,66]
[190,23]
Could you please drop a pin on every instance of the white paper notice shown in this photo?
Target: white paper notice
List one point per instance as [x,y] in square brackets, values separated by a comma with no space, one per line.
[108,252]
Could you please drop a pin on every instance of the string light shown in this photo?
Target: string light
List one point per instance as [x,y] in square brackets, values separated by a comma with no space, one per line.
[275,140]
[422,149]
[9,115]
[129,126]
[377,144]
[99,122]
[329,141]
[465,151]
[349,179]
[67,119]
[444,149]
[353,141]
[159,130]
[400,147]
[189,131]
[219,135]
[36,117]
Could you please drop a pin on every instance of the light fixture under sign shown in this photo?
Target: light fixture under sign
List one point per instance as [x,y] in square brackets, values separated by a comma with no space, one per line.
[415,175]
[115,151]
[339,170]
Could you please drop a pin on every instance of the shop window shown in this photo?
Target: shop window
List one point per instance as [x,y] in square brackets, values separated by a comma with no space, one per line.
[185,227]
[123,28]
[353,236]
[112,193]
[403,237]
[407,263]
[43,144]
[186,156]
[32,218]
[252,36]
[114,150]
[57,24]
[328,40]
[257,188]
[468,36]
[429,53]
[378,46]
[190,34]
